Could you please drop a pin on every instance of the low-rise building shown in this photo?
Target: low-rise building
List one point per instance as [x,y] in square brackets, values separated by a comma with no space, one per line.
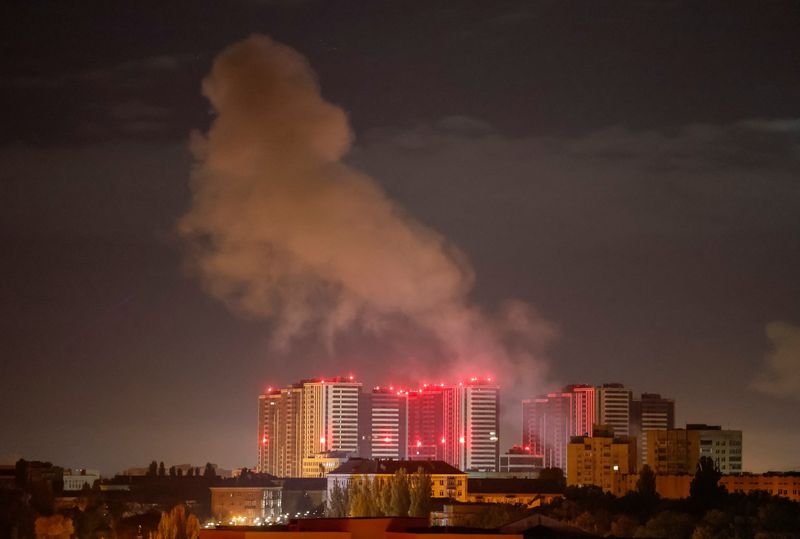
[246,501]
[521,460]
[530,492]
[446,480]
[677,451]
[76,479]
[321,464]
[600,460]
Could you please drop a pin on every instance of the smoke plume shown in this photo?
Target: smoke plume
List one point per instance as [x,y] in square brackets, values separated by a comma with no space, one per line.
[281,228]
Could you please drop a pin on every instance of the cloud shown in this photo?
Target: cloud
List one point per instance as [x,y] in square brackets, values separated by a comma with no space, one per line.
[781,374]
[282,228]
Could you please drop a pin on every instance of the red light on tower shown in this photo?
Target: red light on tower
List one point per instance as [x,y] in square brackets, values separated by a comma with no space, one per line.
[322,440]
[461,440]
[387,439]
[419,443]
[444,440]
[264,440]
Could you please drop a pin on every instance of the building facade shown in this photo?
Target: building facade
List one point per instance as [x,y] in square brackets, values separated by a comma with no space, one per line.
[650,412]
[601,460]
[446,480]
[677,451]
[246,505]
[384,424]
[614,408]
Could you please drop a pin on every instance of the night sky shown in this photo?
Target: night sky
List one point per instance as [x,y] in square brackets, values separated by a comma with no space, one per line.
[627,172]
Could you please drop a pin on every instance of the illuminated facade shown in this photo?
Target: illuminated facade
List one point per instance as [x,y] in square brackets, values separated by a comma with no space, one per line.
[601,460]
[305,419]
[384,424]
[614,408]
[478,416]
[426,435]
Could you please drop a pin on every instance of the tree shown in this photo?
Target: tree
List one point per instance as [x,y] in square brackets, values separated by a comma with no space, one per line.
[338,504]
[209,472]
[177,524]
[667,525]
[152,470]
[553,476]
[55,526]
[400,497]
[172,471]
[705,490]
[190,472]
[420,494]
[180,472]
[383,496]
[356,496]
[646,484]
[161,470]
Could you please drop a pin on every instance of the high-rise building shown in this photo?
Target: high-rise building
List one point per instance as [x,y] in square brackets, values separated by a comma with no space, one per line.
[677,451]
[456,423]
[306,419]
[650,412]
[330,415]
[479,425]
[384,424]
[600,460]
[584,408]
[614,408]
[426,437]
[549,421]
[547,427]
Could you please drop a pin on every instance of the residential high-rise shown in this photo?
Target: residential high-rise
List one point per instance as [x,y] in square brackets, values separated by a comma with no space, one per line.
[547,427]
[650,412]
[549,421]
[303,420]
[614,408]
[330,415]
[677,451]
[479,425]
[426,437]
[384,424]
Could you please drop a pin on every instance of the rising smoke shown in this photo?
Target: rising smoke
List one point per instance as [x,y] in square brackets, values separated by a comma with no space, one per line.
[281,228]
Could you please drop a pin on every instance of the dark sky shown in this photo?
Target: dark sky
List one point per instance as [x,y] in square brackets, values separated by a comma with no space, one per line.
[630,169]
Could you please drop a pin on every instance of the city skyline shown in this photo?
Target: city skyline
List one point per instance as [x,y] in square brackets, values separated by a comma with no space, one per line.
[201,198]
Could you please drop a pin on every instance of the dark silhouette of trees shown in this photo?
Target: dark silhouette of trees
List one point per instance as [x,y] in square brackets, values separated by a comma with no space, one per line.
[152,469]
[646,484]
[209,472]
[162,472]
[705,491]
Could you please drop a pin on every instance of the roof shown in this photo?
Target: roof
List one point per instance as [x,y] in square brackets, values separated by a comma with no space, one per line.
[305,483]
[378,466]
[515,485]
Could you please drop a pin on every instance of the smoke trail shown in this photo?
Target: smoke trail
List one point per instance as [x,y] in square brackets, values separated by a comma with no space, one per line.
[281,228]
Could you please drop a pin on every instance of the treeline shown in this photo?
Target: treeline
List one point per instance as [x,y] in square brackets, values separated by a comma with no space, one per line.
[710,512]
[400,495]
[157,469]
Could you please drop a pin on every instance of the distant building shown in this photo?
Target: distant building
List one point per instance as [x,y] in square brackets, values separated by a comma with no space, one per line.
[305,419]
[248,501]
[426,437]
[530,492]
[550,420]
[601,460]
[677,451]
[321,464]
[76,479]
[384,424]
[447,481]
[650,412]
[614,408]
[522,461]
